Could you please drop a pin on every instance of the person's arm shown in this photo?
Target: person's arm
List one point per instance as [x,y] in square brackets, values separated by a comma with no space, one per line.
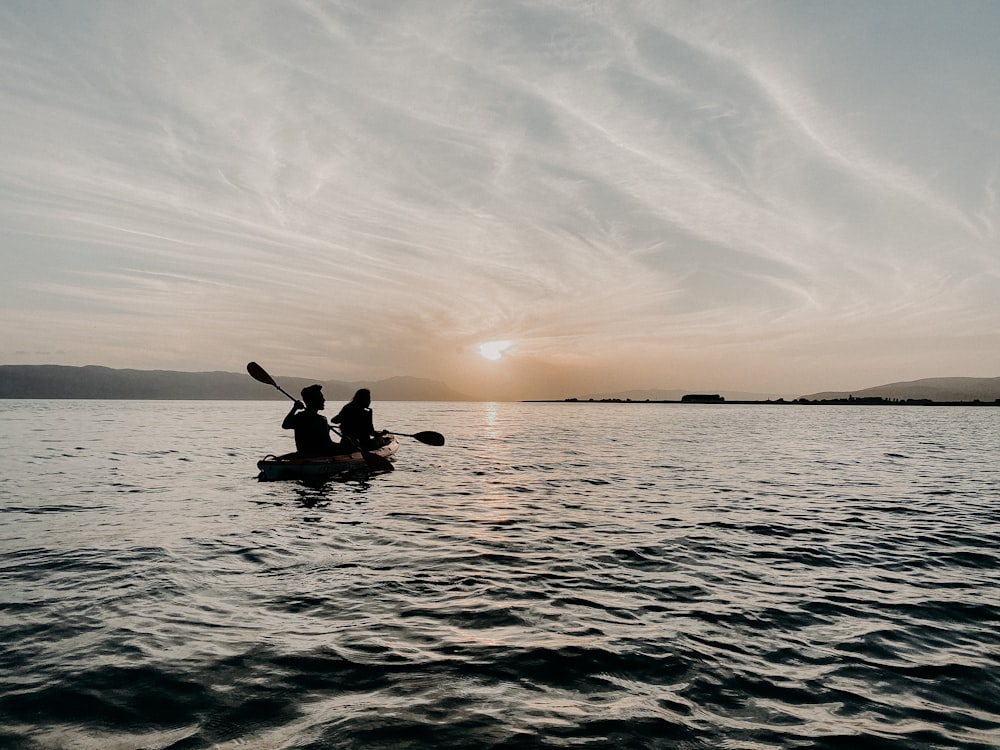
[289,423]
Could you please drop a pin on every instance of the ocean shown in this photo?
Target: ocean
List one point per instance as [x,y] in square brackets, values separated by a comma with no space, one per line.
[557,575]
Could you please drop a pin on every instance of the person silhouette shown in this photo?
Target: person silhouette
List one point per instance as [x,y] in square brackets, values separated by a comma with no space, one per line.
[312,433]
[355,420]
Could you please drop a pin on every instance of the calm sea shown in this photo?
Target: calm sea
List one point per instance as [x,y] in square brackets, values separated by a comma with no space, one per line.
[557,575]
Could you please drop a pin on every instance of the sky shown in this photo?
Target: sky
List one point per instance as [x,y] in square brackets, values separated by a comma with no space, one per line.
[774,197]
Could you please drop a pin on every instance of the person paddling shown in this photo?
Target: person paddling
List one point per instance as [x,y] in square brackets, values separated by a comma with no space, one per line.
[312,433]
[355,421]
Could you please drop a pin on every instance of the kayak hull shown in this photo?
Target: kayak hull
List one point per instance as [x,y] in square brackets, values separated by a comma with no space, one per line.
[319,468]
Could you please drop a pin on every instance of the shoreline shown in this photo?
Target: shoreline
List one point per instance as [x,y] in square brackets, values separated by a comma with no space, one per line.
[877,401]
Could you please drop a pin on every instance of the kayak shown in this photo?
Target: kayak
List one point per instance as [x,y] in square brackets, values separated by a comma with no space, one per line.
[318,468]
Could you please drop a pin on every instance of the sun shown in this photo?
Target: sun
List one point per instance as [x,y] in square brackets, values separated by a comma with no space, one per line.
[493,349]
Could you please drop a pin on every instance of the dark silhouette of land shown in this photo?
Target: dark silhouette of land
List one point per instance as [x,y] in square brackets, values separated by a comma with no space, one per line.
[93,382]
[932,389]
[850,400]
[925,392]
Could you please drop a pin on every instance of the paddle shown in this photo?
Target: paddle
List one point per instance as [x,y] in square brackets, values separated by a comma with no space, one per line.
[374,461]
[428,437]
[259,374]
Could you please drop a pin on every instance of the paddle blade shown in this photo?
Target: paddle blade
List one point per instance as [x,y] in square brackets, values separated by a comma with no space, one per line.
[377,462]
[429,437]
[259,374]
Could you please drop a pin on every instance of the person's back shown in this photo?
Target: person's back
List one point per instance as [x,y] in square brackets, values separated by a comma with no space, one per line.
[312,433]
[355,421]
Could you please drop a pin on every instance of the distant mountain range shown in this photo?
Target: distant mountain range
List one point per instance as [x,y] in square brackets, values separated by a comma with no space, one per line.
[92,381]
[934,389]
[58,381]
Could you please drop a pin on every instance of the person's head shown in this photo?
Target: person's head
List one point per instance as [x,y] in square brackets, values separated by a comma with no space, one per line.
[363,397]
[312,397]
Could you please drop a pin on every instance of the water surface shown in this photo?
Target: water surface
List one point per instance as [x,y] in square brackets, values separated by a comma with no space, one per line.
[557,575]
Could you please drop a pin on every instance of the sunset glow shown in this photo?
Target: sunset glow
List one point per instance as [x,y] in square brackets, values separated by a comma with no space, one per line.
[781,198]
[493,350]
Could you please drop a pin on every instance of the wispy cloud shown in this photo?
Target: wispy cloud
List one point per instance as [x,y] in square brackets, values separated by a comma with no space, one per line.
[364,189]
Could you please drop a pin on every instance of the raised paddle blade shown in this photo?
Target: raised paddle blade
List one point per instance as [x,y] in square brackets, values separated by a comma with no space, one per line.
[259,374]
[429,437]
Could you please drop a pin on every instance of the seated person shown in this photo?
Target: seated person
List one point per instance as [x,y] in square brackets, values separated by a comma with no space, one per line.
[312,433]
[355,421]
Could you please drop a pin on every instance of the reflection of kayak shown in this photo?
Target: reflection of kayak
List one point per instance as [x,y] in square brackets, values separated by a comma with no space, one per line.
[290,466]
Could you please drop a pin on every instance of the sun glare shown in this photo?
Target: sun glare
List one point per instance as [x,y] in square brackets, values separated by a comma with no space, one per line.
[493,349]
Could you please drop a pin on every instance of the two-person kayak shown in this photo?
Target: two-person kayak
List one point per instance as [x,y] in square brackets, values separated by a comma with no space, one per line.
[319,468]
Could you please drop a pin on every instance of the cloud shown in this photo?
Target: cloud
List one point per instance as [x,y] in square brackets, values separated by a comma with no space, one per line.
[367,189]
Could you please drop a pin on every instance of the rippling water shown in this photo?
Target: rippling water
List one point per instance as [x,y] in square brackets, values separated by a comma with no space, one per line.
[557,575]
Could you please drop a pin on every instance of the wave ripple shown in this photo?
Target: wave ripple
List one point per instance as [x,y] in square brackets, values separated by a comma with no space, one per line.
[628,576]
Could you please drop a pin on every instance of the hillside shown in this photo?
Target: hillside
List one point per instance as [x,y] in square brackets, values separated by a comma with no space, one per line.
[91,381]
[935,389]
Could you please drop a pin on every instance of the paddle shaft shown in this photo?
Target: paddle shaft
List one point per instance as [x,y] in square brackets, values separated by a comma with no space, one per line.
[285,392]
[373,460]
[428,437]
